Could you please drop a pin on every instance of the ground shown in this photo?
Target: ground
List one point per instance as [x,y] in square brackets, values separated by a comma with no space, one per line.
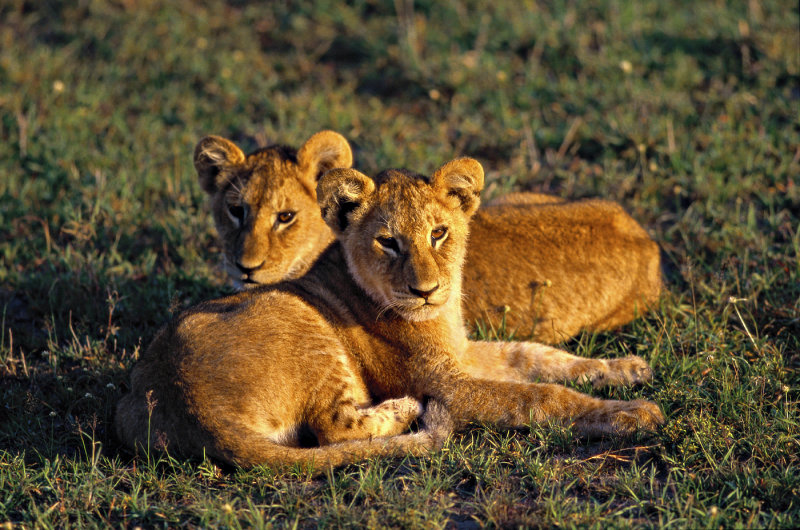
[684,112]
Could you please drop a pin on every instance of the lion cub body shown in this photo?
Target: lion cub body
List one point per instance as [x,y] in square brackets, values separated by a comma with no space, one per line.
[347,352]
[551,269]
[545,267]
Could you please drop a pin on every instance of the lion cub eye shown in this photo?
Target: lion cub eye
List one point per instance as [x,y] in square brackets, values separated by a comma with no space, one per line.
[389,243]
[237,212]
[437,234]
[285,217]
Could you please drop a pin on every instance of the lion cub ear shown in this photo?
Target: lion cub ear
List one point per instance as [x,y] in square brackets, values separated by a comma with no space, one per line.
[211,156]
[460,180]
[340,192]
[322,152]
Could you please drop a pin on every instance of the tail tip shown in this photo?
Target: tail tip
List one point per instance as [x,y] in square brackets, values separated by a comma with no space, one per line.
[438,421]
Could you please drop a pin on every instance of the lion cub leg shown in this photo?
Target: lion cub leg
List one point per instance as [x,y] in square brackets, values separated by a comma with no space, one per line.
[530,361]
[510,404]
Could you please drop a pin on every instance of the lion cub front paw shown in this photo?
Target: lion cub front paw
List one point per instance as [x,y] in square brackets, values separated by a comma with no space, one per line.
[640,415]
[620,418]
[629,370]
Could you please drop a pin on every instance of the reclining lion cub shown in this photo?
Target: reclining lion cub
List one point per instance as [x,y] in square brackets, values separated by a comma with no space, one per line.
[558,267]
[348,351]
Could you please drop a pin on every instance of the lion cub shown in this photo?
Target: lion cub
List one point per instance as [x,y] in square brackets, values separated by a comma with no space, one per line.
[348,351]
[547,267]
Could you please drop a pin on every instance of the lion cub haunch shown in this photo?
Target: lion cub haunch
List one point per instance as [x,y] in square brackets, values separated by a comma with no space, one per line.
[578,265]
[547,267]
[348,351]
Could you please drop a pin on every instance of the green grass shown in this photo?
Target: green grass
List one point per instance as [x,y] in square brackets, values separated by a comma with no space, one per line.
[685,112]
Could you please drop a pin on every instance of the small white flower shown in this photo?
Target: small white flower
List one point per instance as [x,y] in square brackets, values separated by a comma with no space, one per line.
[88,395]
[111,386]
[52,414]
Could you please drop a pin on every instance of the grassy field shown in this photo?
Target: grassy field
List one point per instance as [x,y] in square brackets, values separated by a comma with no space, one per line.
[688,113]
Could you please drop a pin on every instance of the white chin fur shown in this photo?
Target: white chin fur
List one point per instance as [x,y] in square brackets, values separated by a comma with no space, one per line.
[419,313]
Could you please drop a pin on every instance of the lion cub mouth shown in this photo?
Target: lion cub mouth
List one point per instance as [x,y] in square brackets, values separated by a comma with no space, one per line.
[244,281]
[417,309]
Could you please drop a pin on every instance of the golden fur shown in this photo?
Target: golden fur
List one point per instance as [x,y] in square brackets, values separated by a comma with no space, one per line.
[348,352]
[547,267]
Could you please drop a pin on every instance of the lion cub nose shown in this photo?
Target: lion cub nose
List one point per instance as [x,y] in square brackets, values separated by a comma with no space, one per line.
[421,293]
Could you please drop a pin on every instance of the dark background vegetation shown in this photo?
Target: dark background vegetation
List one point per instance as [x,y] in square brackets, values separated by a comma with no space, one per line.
[685,112]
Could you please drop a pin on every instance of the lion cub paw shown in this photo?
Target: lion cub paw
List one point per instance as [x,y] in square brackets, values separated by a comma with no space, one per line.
[631,370]
[620,418]
[392,416]
[406,409]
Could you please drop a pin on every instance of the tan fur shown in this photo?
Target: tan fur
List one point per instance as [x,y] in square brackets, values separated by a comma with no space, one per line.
[581,265]
[348,351]
[546,267]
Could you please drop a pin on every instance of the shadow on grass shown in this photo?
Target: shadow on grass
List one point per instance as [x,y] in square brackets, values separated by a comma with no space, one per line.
[70,333]
[735,56]
[52,412]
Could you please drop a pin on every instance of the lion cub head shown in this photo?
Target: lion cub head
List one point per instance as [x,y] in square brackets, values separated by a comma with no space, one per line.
[404,235]
[265,204]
